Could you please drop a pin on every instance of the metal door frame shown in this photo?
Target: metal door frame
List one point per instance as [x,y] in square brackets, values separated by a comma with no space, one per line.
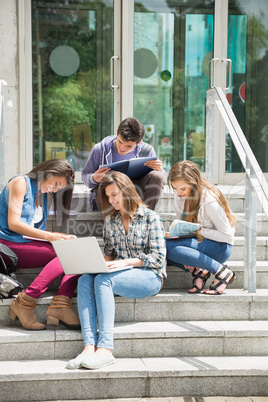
[123,95]
[219,76]
[122,75]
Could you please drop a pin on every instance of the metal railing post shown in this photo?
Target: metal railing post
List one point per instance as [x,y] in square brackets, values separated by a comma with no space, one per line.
[250,245]
[2,136]
[256,186]
[212,121]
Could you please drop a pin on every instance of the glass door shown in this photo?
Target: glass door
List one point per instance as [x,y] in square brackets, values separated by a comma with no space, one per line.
[73,42]
[173,45]
[248,49]
[198,53]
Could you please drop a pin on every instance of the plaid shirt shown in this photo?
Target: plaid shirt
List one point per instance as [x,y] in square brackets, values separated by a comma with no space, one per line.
[145,239]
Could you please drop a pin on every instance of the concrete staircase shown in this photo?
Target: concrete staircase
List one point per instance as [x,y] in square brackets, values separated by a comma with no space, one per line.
[173,344]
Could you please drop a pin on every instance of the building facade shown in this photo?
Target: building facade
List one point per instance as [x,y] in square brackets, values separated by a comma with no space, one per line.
[75,68]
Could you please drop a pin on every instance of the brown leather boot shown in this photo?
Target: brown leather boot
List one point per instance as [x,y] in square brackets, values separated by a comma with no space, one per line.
[60,309]
[22,308]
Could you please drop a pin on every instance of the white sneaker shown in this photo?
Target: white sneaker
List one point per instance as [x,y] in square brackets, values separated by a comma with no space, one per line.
[95,361]
[76,363]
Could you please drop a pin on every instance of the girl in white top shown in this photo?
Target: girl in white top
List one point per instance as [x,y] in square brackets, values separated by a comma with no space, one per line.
[198,201]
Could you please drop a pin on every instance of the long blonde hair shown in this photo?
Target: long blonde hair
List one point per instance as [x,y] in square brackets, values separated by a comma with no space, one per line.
[131,198]
[190,172]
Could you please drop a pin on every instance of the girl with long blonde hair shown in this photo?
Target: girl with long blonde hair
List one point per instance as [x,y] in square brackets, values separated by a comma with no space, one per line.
[196,200]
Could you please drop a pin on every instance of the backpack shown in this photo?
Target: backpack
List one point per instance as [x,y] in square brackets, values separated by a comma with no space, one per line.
[145,150]
[9,285]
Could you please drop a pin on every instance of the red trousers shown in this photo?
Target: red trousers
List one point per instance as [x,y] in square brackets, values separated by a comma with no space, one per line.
[36,254]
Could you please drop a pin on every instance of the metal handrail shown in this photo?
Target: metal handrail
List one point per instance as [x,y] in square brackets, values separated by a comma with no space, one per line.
[255,185]
[2,136]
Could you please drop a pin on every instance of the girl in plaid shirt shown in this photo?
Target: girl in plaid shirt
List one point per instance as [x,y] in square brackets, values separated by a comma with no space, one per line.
[133,235]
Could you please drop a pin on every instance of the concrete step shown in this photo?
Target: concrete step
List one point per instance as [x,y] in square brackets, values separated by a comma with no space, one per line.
[176,277]
[39,380]
[173,305]
[238,252]
[91,224]
[235,195]
[143,339]
[262,224]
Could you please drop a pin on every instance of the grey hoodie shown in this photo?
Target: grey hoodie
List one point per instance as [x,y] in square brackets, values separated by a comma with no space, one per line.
[101,154]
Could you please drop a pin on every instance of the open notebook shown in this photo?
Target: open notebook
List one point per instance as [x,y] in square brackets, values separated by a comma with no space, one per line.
[134,168]
[180,228]
[82,256]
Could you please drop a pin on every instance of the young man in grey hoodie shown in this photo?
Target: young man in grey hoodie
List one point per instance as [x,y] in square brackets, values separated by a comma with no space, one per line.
[127,144]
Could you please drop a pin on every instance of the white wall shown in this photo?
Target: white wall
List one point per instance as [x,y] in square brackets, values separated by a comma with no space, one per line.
[9,73]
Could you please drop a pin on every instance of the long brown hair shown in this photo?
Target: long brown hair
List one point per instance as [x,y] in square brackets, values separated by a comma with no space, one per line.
[190,172]
[132,199]
[61,200]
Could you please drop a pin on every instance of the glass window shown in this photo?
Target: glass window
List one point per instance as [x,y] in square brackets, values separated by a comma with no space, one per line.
[153,77]
[198,53]
[173,44]
[248,49]
[72,100]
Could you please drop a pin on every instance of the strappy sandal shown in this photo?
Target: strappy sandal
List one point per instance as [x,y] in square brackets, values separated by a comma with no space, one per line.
[221,281]
[198,275]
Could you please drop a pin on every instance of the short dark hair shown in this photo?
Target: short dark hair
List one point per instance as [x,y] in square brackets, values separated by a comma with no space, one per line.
[131,129]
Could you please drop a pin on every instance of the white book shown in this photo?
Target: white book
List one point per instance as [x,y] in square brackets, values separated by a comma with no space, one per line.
[33,238]
[181,228]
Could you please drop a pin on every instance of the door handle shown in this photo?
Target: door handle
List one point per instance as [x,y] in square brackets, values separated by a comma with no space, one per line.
[112,85]
[185,95]
[171,98]
[211,71]
[229,62]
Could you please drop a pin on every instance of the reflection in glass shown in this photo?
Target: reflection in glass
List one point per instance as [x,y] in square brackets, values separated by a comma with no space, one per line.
[72,101]
[181,37]
[155,33]
[64,60]
[248,48]
[145,63]
[198,53]
[236,51]
[170,101]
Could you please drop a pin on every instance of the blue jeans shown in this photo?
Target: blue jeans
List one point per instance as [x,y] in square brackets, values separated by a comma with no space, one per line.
[208,254]
[96,300]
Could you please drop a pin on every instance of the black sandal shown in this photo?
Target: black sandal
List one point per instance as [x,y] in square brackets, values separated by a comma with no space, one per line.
[222,281]
[198,275]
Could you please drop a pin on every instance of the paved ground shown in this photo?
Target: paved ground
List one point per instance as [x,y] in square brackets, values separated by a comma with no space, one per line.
[182,399]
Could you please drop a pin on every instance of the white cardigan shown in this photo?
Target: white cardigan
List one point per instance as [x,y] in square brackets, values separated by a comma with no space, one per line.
[212,217]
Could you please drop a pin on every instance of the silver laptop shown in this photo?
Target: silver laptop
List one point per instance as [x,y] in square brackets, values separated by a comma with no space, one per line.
[82,256]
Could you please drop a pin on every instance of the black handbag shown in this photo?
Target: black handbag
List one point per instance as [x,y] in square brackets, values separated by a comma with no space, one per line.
[9,285]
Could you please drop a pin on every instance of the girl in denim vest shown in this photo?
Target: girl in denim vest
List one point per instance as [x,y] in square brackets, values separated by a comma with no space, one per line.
[24,209]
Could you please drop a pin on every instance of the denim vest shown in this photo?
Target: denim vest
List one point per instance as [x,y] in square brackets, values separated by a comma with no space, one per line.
[27,214]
